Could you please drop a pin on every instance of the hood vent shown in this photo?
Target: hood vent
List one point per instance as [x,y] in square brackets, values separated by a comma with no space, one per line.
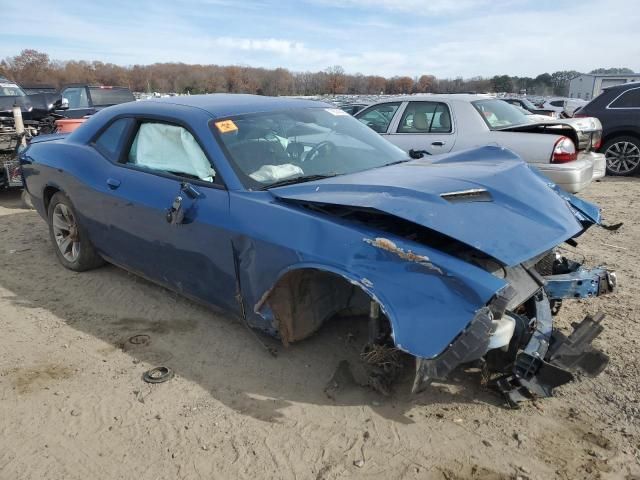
[471,195]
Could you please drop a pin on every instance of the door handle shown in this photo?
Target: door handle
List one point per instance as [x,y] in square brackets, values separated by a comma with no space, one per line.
[438,143]
[113,183]
[175,214]
[190,191]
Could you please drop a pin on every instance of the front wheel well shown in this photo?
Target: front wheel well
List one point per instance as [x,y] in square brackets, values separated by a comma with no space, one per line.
[303,299]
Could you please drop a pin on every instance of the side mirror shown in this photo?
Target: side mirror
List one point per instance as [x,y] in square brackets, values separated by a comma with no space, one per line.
[61,104]
[416,154]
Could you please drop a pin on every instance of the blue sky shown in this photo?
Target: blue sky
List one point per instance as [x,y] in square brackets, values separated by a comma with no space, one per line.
[387,37]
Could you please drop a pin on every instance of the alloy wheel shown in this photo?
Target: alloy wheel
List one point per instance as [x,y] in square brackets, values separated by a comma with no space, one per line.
[622,157]
[65,232]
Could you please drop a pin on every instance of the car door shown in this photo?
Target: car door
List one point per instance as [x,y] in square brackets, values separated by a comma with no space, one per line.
[380,116]
[424,125]
[79,104]
[163,213]
[624,109]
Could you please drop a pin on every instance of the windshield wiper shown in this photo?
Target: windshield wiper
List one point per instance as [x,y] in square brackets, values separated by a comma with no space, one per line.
[396,162]
[297,179]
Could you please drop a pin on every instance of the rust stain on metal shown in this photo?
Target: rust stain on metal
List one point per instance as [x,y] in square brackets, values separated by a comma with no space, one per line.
[389,246]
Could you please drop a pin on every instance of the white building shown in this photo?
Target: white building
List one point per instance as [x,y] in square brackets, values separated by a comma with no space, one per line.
[589,85]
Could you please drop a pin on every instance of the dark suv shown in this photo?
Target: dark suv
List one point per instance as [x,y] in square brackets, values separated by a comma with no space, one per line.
[618,109]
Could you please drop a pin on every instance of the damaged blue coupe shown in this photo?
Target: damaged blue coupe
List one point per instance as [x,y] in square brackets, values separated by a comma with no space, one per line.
[288,212]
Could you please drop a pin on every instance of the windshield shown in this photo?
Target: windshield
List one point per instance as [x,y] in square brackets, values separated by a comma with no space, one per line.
[8,89]
[268,148]
[524,111]
[528,104]
[498,114]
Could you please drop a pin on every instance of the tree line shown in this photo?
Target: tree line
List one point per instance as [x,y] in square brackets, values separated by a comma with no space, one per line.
[33,67]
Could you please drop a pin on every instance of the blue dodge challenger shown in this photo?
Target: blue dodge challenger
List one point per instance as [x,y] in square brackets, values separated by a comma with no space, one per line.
[287,212]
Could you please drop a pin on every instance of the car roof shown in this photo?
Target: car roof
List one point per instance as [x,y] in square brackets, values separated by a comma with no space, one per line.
[228,104]
[91,85]
[623,86]
[461,97]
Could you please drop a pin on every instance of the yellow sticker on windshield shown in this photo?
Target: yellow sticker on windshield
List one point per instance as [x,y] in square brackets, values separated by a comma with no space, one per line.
[226,126]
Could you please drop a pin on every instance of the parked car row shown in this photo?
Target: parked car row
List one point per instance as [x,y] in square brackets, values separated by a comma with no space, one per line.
[531,107]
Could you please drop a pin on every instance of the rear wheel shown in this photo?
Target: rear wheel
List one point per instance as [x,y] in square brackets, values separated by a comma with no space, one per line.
[622,155]
[70,239]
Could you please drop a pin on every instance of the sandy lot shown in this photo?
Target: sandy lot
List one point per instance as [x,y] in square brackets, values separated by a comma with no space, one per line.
[73,404]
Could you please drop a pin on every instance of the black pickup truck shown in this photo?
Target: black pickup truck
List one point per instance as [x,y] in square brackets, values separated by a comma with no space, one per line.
[83,99]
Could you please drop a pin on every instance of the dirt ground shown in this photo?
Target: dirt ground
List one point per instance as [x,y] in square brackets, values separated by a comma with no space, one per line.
[73,404]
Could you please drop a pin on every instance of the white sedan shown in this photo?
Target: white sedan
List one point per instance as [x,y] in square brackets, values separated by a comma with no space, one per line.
[564,150]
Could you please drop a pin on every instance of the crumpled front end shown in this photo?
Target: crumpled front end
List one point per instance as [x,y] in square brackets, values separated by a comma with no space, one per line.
[514,338]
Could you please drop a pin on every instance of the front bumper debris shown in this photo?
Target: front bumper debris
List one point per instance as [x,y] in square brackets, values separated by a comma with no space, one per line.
[470,345]
[539,358]
[552,359]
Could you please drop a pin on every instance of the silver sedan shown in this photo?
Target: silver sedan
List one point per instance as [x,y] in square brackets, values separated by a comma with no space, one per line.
[564,150]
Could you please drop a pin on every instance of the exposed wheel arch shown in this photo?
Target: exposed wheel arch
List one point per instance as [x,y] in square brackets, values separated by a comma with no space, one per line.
[619,133]
[305,297]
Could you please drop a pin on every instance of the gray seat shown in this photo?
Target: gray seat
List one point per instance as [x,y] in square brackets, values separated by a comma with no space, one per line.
[420,122]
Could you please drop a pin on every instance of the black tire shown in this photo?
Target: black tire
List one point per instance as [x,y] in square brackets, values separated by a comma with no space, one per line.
[79,254]
[622,155]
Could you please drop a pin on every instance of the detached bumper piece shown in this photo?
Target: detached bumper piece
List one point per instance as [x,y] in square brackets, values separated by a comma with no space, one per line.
[580,283]
[471,345]
[551,359]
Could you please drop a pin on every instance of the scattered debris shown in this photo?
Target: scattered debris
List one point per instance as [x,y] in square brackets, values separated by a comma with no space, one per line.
[614,246]
[157,375]
[140,339]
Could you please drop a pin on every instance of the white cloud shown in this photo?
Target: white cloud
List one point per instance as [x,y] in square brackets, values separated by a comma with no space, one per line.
[273,45]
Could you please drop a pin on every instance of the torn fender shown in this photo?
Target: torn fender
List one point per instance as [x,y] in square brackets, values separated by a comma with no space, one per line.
[587,213]
[427,305]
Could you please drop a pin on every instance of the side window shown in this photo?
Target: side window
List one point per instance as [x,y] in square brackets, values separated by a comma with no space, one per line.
[425,117]
[629,99]
[110,140]
[77,97]
[557,103]
[169,149]
[379,117]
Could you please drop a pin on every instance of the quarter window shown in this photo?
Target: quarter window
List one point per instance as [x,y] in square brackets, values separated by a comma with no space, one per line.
[169,149]
[109,141]
[629,99]
[425,117]
[379,117]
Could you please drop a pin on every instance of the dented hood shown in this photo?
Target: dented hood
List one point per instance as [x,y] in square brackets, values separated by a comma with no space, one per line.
[486,198]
